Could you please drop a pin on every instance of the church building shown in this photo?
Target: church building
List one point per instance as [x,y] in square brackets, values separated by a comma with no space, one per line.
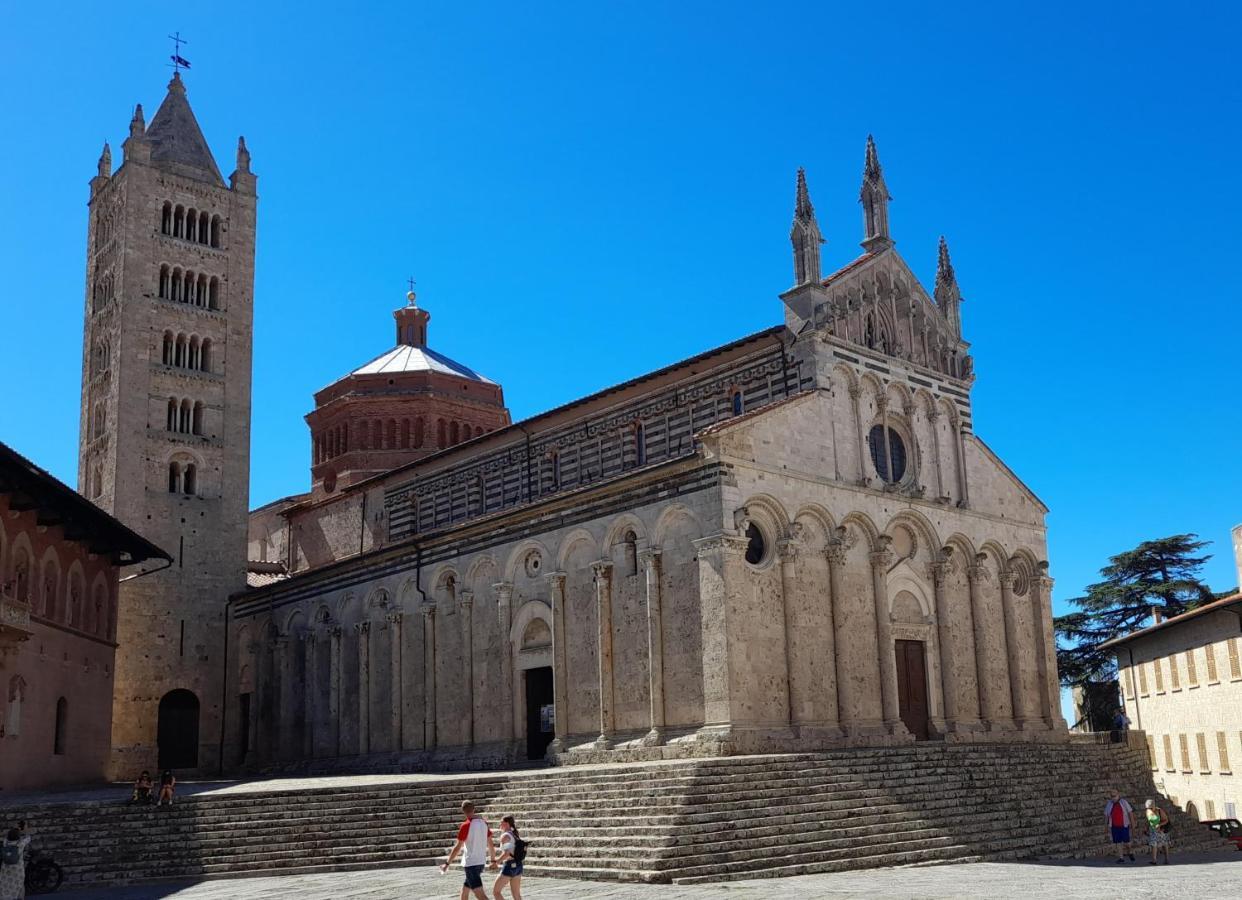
[792,541]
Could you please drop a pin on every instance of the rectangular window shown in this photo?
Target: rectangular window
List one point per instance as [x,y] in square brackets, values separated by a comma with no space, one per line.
[1191,675]
[1175,677]
[1151,752]
[1159,675]
[1201,743]
[1231,810]
[1235,666]
[1210,650]
[1183,744]
[1129,683]
[1168,754]
[1222,750]
[1142,679]
[1209,807]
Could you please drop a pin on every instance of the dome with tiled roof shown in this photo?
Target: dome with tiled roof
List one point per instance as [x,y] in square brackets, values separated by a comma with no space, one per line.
[407,403]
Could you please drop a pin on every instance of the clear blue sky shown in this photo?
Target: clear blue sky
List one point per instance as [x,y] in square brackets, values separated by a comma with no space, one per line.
[588,191]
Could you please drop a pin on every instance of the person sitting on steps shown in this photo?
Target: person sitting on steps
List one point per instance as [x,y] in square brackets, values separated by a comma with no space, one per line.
[143,788]
[168,785]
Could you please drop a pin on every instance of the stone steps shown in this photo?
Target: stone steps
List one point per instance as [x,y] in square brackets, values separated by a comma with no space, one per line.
[688,820]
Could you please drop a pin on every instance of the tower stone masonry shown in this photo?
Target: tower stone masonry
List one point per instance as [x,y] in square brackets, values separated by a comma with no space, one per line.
[165,419]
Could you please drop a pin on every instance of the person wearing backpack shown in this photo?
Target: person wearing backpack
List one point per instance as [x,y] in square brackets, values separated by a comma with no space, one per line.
[13,865]
[1158,828]
[513,858]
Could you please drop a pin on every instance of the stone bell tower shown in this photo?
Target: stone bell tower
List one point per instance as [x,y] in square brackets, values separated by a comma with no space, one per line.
[165,420]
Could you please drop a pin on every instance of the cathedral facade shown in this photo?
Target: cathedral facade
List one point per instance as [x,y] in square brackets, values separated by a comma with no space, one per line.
[793,541]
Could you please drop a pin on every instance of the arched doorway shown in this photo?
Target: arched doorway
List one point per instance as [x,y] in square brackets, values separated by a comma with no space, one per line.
[177,734]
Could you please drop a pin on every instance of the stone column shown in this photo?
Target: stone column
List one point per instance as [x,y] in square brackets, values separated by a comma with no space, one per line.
[280,685]
[309,682]
[1046,650]
[364,687]
[560,675]
[881,561]
[465,600]
[787,552]
[838,695]
[603,599]
[397,669]
[1013,647]
[504,611]
[655,645]
[989,699]
[334,687]
[429,676]
[940,570]
[960,452]
[933,417]
[855,396]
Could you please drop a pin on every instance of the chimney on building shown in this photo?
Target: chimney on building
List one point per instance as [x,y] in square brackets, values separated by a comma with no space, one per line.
[1156,615]
[1237,552]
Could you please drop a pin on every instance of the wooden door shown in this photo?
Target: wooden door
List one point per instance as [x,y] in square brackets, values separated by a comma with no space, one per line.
[912,687]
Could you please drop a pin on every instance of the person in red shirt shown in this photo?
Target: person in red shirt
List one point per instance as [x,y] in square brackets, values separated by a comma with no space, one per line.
[1118,814]
[475,838]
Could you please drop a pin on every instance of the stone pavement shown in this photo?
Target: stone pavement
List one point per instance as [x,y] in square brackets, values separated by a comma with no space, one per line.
[1190,875]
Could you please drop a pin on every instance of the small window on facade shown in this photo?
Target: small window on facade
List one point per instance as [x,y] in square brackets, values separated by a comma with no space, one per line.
[62,717]
[174,478]
[883,452]
[640,444]
[737,403]
[756,546]
[630,545]
[189,480]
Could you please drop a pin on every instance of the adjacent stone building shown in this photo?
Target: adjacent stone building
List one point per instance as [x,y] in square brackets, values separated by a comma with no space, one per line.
[792,541]
[165,429]
[60,564]
[1181,680]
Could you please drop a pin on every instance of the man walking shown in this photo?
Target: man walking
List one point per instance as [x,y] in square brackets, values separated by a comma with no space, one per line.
[475,838]
[1118,813]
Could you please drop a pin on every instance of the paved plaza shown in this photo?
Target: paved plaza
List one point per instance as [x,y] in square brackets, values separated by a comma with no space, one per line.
[1190,875]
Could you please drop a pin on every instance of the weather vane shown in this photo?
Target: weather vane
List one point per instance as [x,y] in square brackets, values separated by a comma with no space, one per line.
[179,62]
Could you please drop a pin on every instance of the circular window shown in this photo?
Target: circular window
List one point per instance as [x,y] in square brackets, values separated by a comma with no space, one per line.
[756,546]
[883,453]
[533,563]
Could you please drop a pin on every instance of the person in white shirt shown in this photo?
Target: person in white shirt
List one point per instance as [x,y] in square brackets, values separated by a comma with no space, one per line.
[475,838]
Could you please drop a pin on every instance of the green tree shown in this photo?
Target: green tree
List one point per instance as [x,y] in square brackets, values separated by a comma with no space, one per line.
[1163,573]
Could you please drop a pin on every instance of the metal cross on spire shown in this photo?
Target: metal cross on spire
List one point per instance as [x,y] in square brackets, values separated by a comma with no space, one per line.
[179,62]
[411,296]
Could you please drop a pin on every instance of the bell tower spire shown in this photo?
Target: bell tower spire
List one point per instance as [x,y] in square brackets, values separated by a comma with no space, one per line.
[805,235]
[948,297]
[874,198]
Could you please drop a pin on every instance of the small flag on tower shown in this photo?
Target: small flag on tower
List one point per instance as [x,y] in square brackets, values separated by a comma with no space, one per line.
[180,61]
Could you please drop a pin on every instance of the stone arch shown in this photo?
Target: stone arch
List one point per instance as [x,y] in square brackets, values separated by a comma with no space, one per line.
[995,553]
[410,596]
[569,544]
[896,391]
[74,592]
[346,606]
[97,615]
[379,596]
[483,571]
[964,548]
[865,527]
[518,555]
[527,613]
[923,529]
[669,517]
[905,579]
[22,570]
[322,615]
[49,586]
[623,523]
[766,510]
[851,377]
[294,622]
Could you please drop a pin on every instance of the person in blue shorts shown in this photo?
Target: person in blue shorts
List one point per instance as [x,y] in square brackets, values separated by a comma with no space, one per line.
[512,857]
[1119,814]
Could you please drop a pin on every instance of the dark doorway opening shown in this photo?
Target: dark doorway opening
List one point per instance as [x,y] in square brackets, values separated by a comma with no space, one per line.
[540,712]
[243,731]
[912,687]
[177,732]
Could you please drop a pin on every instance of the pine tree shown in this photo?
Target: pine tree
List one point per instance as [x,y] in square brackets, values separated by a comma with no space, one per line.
[1163,573]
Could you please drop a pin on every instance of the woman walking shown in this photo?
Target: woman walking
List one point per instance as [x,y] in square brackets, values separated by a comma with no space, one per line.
[13,865]
[512,857]
[1157,831]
